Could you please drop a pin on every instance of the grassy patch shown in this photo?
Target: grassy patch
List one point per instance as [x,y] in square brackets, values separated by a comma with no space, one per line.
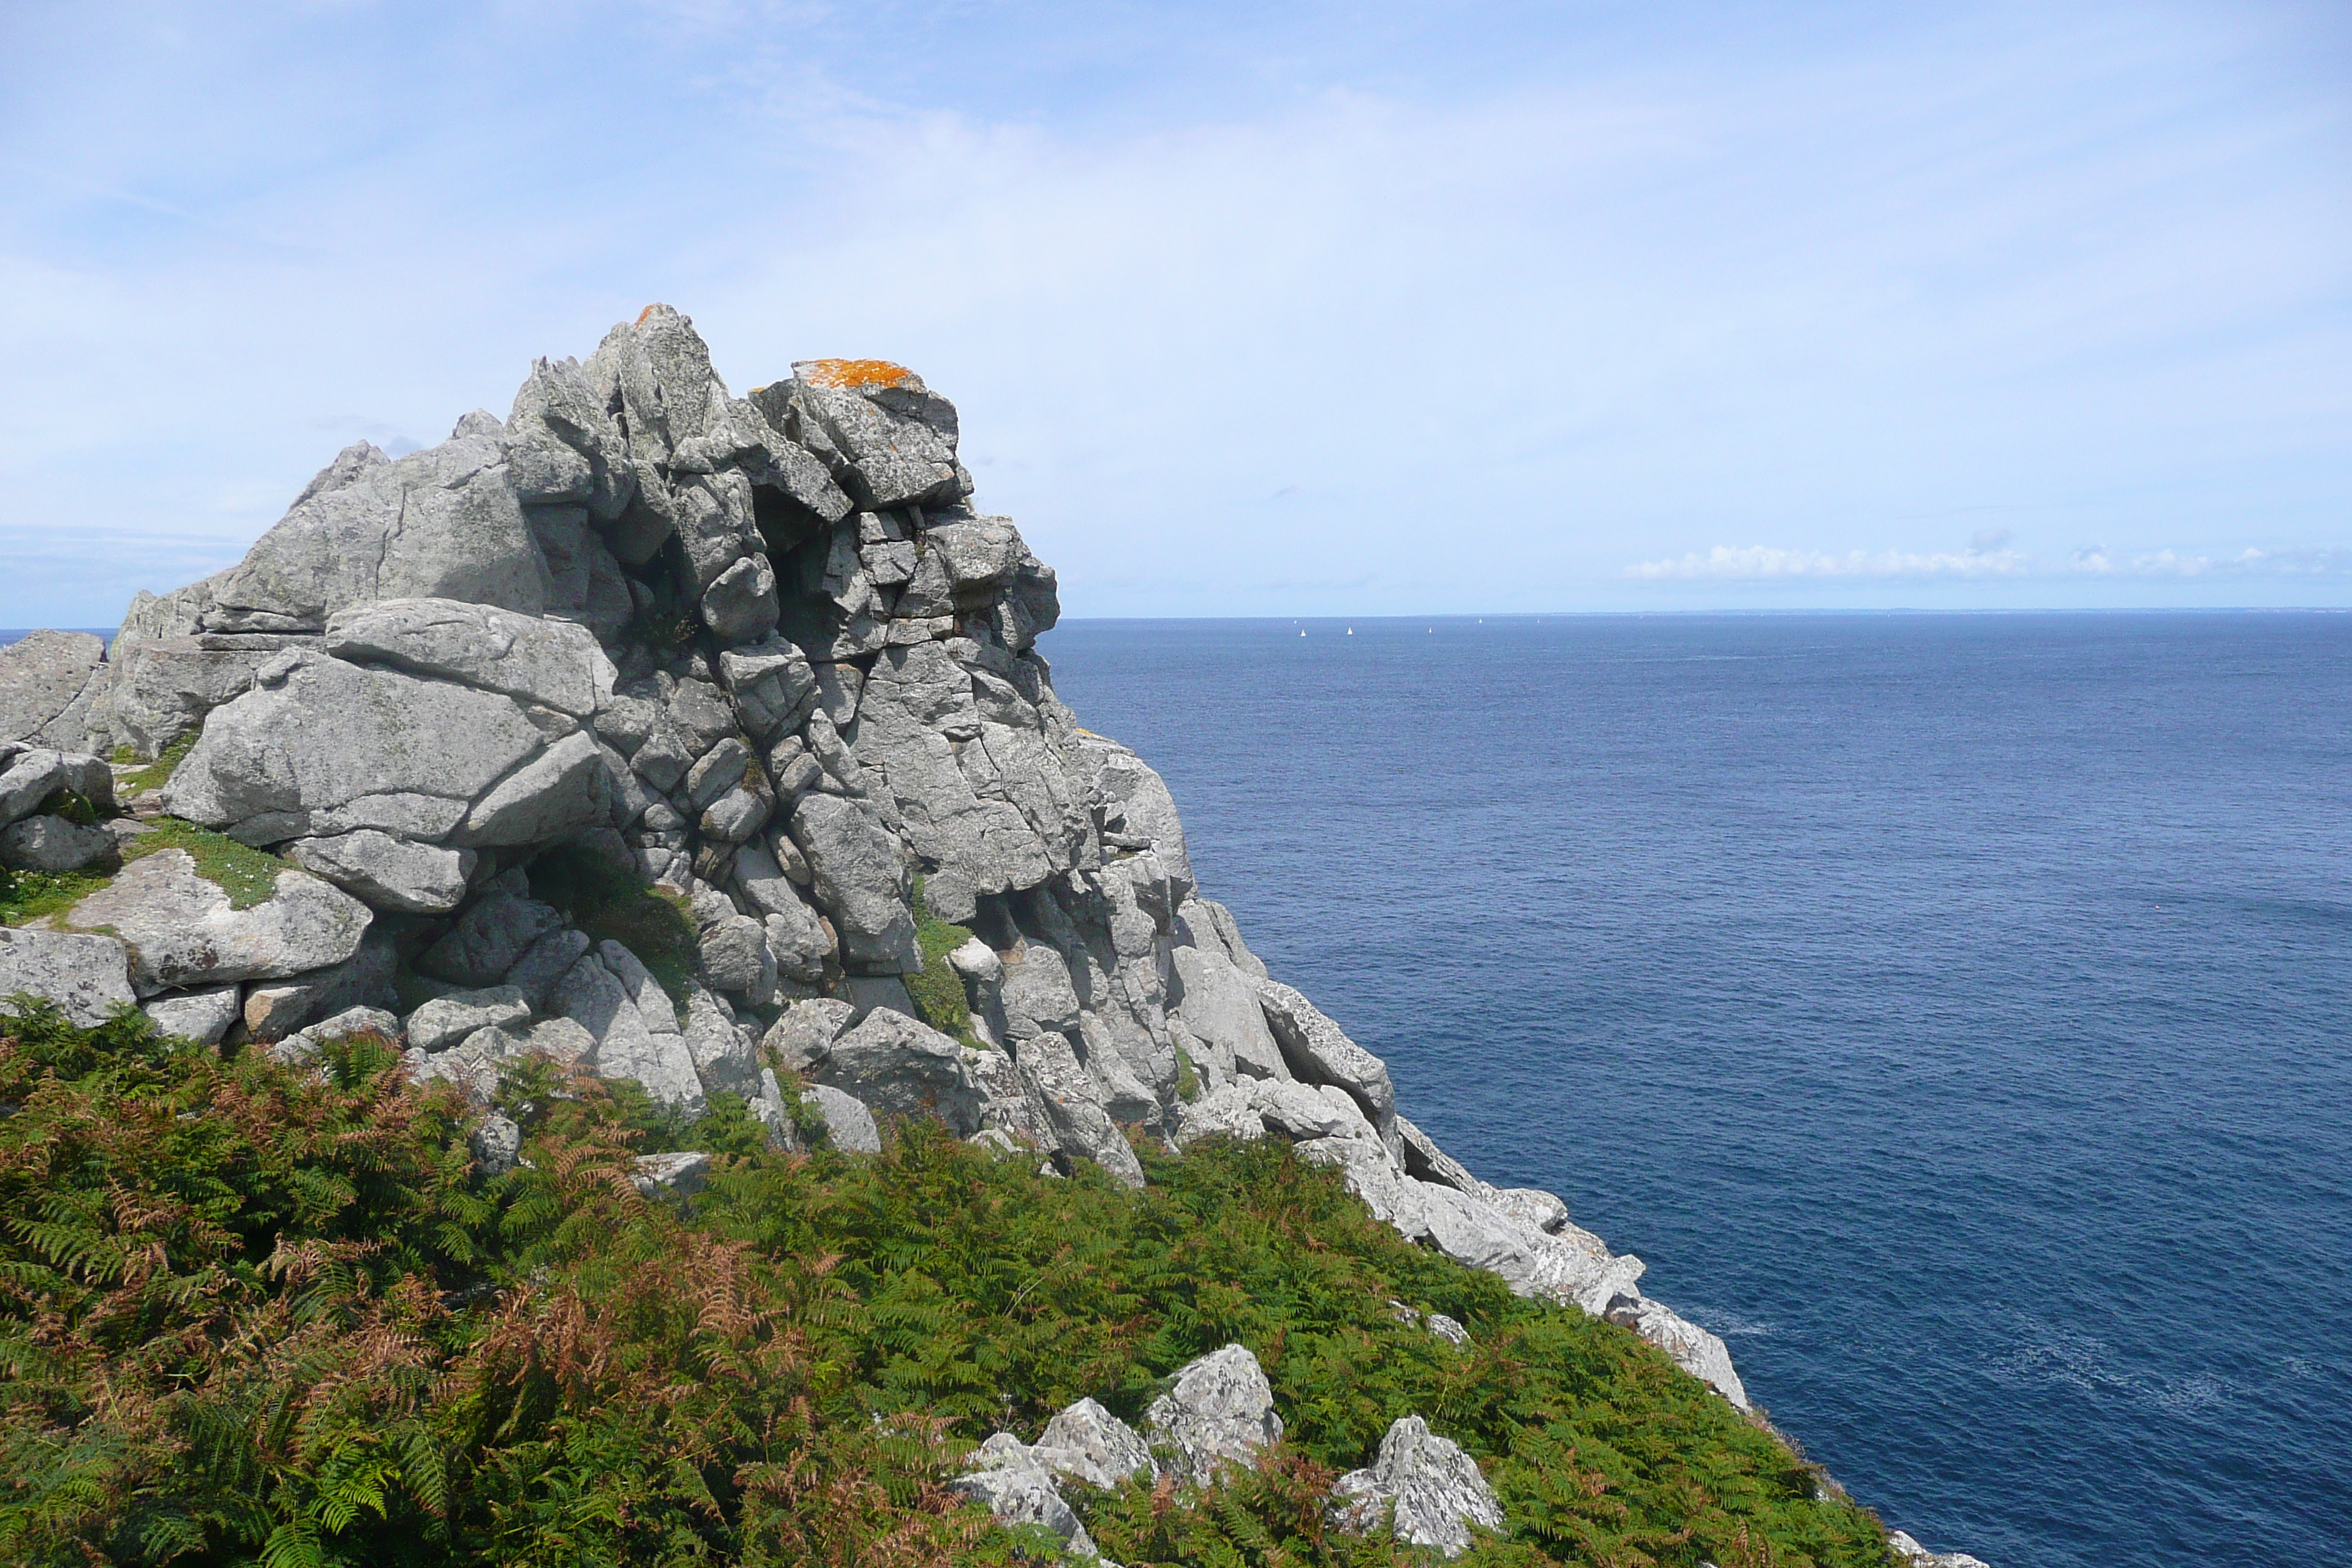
[609,902]
[938,991]
[248,875]
[256,1312]
[155,774]
[29,895]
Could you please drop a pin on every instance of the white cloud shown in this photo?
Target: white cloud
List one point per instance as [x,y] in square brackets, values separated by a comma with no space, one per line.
[1766,563]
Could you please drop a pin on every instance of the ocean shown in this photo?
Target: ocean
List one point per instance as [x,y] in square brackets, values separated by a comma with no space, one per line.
[1954,1011]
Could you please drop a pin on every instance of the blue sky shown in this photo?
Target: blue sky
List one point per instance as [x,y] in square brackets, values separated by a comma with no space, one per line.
[1250,309]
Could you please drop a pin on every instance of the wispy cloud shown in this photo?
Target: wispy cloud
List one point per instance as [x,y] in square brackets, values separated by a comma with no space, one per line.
[1766,563]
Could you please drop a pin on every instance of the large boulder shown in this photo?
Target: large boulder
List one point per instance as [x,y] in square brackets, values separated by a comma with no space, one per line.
[439,524]
[87,976]
[183,931]
[53,843]
[1087,1442]
[388,873]
[1006,1477]
[30,775]
[1434,1486]
[1065,1094]
[894,1064]
[552,662]
[1218,1412]
[1218,1007]
[322,747]
[1318,1051]
[860,876]
[42,676]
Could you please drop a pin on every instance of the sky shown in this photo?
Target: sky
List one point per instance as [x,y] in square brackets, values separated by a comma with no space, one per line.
[1253,309]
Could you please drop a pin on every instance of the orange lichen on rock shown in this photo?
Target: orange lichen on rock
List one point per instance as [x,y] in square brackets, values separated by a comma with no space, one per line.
[650,309]
[853,374]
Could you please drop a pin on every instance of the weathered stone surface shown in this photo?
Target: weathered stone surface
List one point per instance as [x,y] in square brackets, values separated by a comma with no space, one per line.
[1208,924]
[740,605]
[52,844]
[1434,1486]
[1072,1104]
[806,1031]
[592,996]
[182,932]
[1695,1351]
[860,877]
[555,663]
[682,1172]
[1218,1006]
[445,1020]
[388,873]
[894,1064]
[159,689]
[1911,1554]
[1219,1411]
[558,793]
[202,1015]
[330,748]
[87,976]
[29,777]
[1008,1478]
[496,1143]
[724,1053]
[491,937]
[1035,995]
[1299,1111]
[40,675]
[893,444]
[439,524]
[1087,1442]
[1319,1052]
[542,963]
[366,979]
[848,1124]
[1226,1112]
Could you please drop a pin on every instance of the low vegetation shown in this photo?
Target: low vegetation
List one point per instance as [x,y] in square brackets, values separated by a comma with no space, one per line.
[253,1313]
[938,991]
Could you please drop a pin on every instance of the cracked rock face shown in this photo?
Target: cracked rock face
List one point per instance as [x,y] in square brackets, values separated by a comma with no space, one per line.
[743,674]
[1434,1488]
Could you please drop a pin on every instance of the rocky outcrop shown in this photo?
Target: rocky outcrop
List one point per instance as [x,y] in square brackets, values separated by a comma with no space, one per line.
[750,682]
[1434,1488]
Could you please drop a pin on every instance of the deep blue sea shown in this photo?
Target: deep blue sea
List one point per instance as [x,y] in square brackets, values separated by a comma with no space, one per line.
[1954,1011]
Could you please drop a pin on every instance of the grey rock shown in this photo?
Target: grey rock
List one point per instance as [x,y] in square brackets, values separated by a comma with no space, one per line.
[866,993]
[720,769]
[556,794]
[53,843]
[563,1040]
[593,996]
[976,961]
[489,939]
[739,813]
[87,976]
[1299,1111]
[1226,1112]
[1319,1052]
[1446,1328]
[182,932]
[860,875]
[732,955]
[1434,1488]
[445,1020]
[1007,1477]
[773,685]
[1036,994]
[894,444]
[440,524]
[1424,1161]
[29,777]
[1208,924]
[894,1064]
[1218,1006]
[1067,1094]
[1531,1206]
[542,963]
[331,747]
[352,1021]
[1908,1551]
[366,979]
[496,1143]
[1219,1411]
[806,1031]
[555,663]
[41,674]
[725,1057]
[849,1126]
[1087,1442]
[740,605]
[388,873]
[158,690]
[202,1015]
[1692,1348]
[682,1172]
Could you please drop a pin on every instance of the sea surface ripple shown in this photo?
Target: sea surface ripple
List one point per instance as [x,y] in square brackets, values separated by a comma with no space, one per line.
[1954,1011]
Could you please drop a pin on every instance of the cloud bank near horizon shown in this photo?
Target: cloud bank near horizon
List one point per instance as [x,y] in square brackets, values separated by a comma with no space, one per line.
[1375,309]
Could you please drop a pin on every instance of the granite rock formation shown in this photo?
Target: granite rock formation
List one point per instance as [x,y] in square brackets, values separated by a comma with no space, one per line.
[765,655]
